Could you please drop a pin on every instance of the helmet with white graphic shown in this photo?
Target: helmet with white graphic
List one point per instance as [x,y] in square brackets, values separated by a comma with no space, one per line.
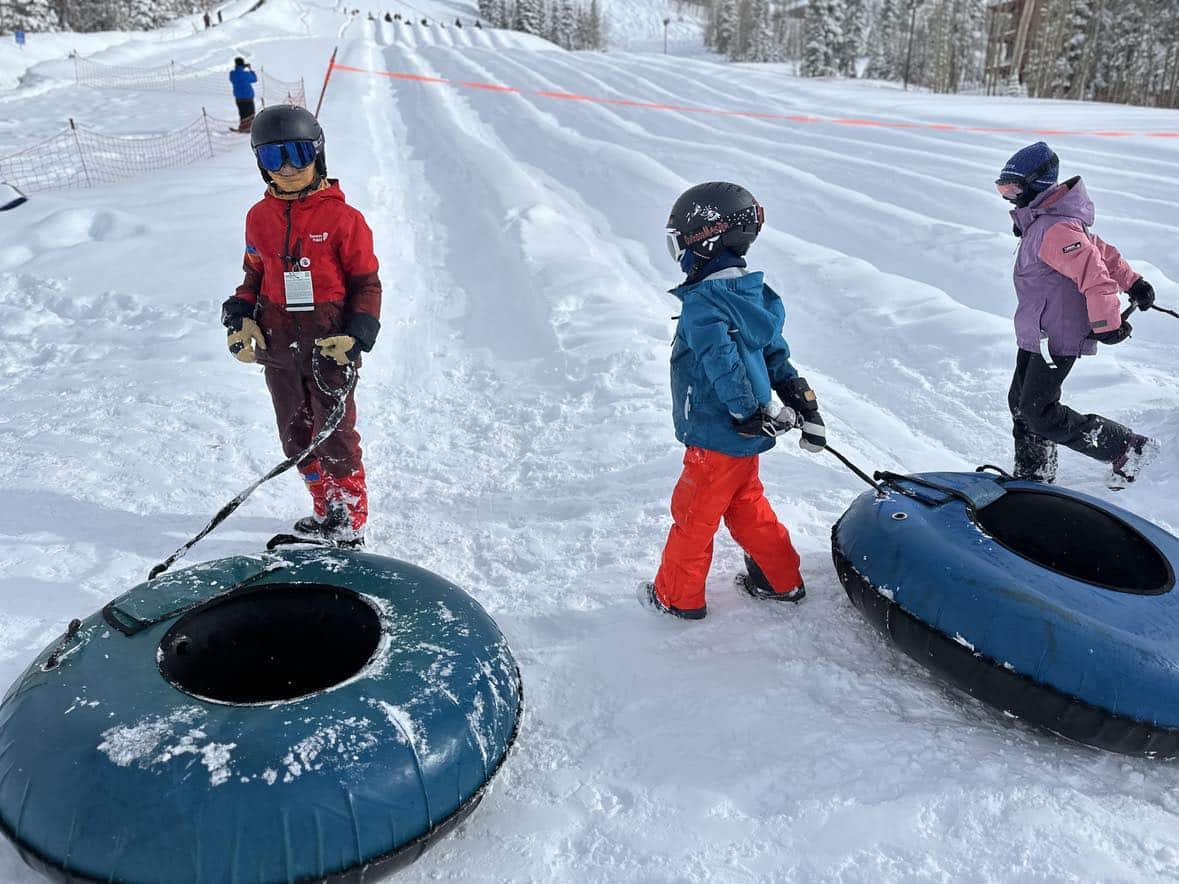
[711,217]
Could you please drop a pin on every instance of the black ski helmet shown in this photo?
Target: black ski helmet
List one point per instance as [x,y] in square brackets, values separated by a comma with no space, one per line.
[288,122]
[713,216]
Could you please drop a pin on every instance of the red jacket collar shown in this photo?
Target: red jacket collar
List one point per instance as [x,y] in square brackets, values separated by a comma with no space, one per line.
[331,192]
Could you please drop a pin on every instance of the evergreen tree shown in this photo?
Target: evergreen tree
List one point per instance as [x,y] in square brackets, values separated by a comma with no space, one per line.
[882,43]
[590,31]
[90,15]
[855,18]
[566,28]
[489,11]
[739,45]
[1121,50]
[506,13]
[823,37]
[722,26]
[529,17]
[1070,73]
[28,15]
[141,15]
[759,44]
[550,23]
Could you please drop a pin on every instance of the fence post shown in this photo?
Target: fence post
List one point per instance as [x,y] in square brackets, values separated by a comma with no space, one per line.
[172,74]
[77,75]
[208,134]
[81,155]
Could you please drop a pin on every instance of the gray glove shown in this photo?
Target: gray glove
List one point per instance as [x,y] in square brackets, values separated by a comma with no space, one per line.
[767,422]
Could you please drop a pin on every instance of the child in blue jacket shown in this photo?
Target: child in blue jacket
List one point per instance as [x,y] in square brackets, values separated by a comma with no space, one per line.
[728,356]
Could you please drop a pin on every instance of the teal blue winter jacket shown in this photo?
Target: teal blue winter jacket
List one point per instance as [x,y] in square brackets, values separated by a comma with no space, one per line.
[728,355]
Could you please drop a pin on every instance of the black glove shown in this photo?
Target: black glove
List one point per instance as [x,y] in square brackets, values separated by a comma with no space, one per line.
[1142,294]
[1116,336]
[796,393]
[764,422]
[233,311]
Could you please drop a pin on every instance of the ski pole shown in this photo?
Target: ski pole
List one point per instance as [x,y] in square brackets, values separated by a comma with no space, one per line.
[329,427]
[880,492]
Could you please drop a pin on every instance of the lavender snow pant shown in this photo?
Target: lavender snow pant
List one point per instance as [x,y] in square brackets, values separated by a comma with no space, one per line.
[1041,422]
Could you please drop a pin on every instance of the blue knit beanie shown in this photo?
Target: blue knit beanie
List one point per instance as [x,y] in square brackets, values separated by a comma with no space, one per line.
[1035,159]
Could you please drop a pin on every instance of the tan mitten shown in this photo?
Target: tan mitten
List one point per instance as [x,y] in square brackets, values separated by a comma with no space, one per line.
[243,341]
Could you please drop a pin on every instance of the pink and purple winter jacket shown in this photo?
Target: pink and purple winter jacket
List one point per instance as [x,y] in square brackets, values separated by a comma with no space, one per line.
[1067,279]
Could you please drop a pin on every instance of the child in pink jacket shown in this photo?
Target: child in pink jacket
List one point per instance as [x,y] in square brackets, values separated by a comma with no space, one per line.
[1068,282]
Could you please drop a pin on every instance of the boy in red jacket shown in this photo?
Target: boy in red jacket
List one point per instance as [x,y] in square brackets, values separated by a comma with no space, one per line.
[310,292]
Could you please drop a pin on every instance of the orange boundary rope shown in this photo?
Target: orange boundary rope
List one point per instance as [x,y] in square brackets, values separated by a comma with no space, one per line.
[760,115]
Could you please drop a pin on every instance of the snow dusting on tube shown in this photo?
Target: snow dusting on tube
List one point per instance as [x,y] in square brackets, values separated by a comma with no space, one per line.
[1054,606]
[319,715]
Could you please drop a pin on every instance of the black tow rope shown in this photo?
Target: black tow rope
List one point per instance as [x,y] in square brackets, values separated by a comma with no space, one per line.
[340,394]
[880,492]
[1164,310]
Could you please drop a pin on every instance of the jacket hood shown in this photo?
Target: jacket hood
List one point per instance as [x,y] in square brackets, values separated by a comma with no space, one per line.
[1069,199]
[755,315]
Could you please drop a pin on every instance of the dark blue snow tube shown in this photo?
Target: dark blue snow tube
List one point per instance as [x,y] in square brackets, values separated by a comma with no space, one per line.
[1047,603]
[315,715]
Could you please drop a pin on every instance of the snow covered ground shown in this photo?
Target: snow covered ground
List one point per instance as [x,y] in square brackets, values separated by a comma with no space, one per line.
[517,434]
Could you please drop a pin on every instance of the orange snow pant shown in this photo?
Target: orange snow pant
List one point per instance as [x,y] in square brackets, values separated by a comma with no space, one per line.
[715,486]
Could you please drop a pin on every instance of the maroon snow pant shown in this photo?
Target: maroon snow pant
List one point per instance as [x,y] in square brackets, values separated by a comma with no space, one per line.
[301,409]
[335,471]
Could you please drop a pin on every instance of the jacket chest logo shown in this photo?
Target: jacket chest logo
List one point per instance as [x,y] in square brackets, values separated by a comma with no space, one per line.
[319,237]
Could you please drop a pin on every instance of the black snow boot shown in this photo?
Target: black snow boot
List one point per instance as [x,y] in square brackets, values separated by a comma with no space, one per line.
[1036,458]
[335,528]
[1127,466]
[649,600]
[755,582]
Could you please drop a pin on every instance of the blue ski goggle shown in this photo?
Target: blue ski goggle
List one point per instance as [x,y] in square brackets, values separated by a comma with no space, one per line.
[297,153]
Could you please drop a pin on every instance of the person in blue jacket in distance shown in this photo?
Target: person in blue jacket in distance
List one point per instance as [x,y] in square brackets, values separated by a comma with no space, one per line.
[243,80]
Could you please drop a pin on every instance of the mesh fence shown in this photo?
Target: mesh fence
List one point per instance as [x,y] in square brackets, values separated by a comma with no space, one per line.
[181,78]
[80,157]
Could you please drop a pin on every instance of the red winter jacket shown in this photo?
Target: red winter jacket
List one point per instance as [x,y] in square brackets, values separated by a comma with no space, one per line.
[322,234]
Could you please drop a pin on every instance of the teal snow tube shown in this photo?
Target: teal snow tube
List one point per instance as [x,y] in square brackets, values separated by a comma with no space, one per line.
[314,715]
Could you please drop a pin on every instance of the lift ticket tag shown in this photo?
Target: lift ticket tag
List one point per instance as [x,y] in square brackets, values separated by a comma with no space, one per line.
[299,293]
